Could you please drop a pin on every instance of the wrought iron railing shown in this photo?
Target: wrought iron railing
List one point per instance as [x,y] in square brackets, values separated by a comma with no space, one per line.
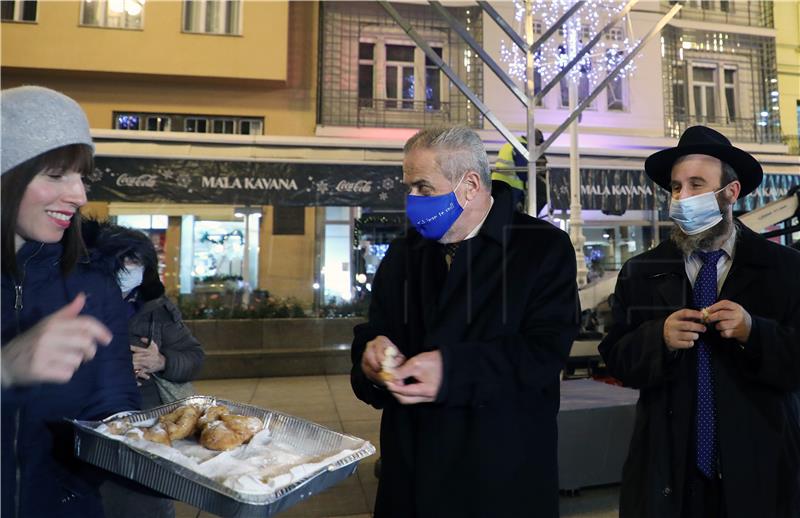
[754,14]
[737,129]
[393,113]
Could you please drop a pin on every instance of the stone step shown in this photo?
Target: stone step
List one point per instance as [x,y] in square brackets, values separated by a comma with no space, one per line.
[274,362]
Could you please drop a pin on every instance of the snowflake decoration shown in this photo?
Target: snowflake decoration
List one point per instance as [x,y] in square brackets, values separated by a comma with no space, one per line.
[184,180]
[323,187]
[96,175]
[387,184]
[383,196]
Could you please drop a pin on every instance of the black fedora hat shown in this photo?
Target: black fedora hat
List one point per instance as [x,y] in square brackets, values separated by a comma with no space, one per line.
[701,140]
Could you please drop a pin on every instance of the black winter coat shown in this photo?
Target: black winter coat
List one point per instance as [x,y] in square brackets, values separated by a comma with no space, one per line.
[159,320]
[504,318]
[757,415]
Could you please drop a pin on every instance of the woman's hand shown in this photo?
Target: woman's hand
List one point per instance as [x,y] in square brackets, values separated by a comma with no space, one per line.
[147,360]
[52,350]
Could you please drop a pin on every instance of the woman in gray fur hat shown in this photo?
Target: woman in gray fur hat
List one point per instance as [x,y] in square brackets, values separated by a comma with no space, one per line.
[64,334]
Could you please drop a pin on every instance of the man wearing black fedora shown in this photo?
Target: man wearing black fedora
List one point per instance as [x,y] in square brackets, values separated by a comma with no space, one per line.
[707,327]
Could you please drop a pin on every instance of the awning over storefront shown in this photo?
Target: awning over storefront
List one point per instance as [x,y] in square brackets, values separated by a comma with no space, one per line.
[615,191]
[125,179]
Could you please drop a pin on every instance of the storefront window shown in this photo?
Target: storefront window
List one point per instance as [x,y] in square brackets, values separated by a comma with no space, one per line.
[355,242]
[336,268]
[607,248]
[218,250]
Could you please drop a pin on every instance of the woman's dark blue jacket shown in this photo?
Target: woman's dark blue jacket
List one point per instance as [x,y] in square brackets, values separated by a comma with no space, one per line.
[40,476]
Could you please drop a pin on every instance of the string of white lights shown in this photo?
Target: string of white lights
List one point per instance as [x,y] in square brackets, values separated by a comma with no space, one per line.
[565,43]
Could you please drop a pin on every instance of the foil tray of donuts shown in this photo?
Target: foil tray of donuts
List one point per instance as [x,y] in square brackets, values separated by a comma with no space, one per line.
[226,458]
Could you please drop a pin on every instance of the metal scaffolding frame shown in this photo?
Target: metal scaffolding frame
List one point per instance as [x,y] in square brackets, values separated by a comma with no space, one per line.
[530,97]
[532,151]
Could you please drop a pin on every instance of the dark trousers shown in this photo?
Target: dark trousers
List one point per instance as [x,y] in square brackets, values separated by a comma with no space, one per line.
[703,497]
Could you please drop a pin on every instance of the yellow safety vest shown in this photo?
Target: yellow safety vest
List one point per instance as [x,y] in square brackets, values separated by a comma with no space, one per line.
[505,160]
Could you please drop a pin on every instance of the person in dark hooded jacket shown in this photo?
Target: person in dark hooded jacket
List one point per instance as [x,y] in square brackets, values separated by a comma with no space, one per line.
[63,329]
[161,343]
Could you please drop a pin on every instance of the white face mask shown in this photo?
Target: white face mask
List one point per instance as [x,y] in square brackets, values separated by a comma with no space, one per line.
[697,213]
[129,278]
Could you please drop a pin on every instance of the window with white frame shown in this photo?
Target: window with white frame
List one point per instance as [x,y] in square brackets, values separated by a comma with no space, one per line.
[213,16]
[158,123]
[584,87]
[230,125]
[615,34]
[704,100]
[18,10]
[615,91]
[433,86]
[615,95]
[251,127]
[390,70]
[400,76]
[225,126]
[730,93]
[126,121]
[679,98]
[113,14]
[366,73]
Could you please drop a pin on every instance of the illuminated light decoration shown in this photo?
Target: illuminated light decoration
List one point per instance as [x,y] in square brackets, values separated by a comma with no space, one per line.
[566,42]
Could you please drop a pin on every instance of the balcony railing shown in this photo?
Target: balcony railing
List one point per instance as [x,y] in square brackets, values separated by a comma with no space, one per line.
[754,14]
[389,113]
[737,130]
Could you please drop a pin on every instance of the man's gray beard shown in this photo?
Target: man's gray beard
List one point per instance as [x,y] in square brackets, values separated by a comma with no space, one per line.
[707,239]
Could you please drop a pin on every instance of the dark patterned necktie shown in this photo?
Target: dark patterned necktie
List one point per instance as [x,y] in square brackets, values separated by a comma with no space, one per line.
[450,253]
[704,294]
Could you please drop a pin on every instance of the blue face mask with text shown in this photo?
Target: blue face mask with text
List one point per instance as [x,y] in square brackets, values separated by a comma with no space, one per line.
[696,214]
[432,216]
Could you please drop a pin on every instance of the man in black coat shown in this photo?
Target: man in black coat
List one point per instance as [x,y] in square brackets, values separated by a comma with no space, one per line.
[707,327]
[480,304]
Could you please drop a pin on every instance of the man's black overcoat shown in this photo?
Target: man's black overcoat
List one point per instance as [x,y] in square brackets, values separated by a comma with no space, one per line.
[504,318]
[756,385]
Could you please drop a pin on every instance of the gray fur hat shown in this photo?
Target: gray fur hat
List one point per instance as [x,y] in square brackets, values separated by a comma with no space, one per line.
[36,120]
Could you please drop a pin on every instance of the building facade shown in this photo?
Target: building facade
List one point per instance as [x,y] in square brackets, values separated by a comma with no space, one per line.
[261,142]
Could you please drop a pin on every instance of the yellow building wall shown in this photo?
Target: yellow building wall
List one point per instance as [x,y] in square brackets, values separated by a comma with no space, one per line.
[288,106]
[787,24]
[286,263]
[270,72]
[96,210]
[57,41]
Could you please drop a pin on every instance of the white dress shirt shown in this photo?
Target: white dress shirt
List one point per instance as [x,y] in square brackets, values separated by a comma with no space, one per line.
[693,262]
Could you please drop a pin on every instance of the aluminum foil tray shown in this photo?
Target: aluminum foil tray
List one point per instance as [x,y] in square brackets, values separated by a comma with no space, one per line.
[188,486]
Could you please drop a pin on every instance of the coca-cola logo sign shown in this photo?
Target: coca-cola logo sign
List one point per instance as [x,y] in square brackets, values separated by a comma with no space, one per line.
[142,180]
[358,186]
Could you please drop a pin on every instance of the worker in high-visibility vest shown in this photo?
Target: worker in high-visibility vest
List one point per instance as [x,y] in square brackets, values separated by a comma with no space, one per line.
[512,168]
[508,160]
